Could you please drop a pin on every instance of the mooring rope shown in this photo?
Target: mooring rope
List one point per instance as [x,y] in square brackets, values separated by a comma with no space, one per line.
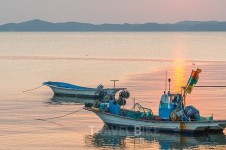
[33,89]
[46,119]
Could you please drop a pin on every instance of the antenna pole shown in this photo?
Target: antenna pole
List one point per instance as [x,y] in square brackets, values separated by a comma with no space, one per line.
[166,82]
[169,80]
[185,94]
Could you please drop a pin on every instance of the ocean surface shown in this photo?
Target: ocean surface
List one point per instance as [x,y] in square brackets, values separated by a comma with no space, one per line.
[138,60]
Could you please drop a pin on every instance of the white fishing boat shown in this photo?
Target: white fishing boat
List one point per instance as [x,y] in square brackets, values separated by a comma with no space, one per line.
[61,88]
[145,123]
[173,115]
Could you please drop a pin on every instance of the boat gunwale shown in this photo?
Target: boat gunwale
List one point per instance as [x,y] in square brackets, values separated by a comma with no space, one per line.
[82,89]
[159,129]
[159,121]
[87,89]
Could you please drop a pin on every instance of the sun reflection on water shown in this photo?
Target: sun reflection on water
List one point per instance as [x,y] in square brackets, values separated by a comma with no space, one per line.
[178,75]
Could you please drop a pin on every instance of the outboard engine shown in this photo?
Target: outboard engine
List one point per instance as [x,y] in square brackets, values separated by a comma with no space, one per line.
[192,113]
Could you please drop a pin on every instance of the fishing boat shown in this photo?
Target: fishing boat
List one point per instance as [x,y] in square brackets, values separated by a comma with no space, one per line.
[173,115]
[66,89]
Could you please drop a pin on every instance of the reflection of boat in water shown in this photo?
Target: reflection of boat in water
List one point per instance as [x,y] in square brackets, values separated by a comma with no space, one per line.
[59,99]
[173,115]
[115,137]
[61,88]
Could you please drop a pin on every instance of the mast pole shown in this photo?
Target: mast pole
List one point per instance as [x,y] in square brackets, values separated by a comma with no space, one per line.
[166,82]
[114,82]
[184,95]
[169,80]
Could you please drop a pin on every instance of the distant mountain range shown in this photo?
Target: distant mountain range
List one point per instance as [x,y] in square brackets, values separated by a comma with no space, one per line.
[43,26]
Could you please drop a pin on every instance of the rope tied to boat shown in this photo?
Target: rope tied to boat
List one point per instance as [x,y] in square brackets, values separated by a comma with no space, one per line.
[33,88]
[46,119]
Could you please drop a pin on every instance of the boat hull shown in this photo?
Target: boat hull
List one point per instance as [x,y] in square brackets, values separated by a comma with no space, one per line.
[166,126]
[73,92]
[66,89]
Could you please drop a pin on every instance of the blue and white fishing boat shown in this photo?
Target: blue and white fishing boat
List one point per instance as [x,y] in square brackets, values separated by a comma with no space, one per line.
[173,115]
[66,89]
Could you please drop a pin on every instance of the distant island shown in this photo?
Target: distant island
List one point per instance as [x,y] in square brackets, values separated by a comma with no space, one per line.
[44,26]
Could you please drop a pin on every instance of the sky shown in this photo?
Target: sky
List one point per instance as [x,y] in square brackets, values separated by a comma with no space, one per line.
[112,11]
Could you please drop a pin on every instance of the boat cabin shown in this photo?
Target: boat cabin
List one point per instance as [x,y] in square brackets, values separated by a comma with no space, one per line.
[168,104]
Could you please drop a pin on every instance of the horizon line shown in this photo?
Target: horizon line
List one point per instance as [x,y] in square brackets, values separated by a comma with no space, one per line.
[37,19]
[85,58]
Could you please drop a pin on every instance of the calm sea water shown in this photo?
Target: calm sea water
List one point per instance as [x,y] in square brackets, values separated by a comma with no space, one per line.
[138,60]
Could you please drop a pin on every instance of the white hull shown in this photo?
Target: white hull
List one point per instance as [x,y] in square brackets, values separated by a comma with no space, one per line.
[169,126]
